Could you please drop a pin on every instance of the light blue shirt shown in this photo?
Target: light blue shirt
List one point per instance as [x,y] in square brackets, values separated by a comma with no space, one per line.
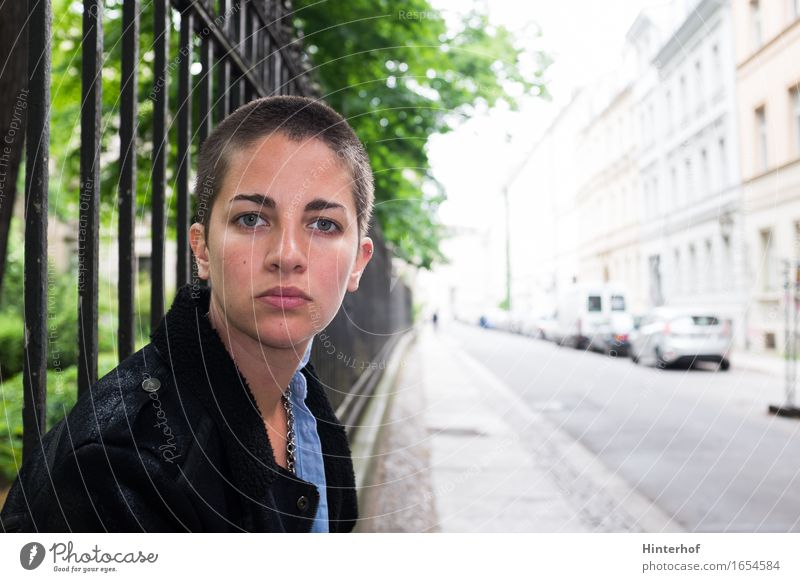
[309,465]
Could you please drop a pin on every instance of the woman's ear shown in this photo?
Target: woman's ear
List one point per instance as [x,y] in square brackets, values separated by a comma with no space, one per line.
[365,250]
[197,240]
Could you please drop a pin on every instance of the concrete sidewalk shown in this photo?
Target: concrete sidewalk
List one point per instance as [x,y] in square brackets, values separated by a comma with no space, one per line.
[463,453]
[764,363]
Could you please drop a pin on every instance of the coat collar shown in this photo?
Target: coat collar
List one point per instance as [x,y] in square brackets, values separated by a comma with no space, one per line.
[202,366]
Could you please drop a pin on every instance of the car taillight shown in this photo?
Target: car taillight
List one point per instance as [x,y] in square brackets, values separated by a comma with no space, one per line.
[621,337]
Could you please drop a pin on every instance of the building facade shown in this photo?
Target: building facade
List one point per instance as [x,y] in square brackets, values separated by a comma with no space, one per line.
[692,223]
[767,37]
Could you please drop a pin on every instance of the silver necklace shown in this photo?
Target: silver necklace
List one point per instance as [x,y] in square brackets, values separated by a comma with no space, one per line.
[291,445]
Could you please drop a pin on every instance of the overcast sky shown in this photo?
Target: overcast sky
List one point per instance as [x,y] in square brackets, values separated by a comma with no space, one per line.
[584,38]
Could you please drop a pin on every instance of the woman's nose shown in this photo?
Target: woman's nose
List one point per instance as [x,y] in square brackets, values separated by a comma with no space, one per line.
[287,250]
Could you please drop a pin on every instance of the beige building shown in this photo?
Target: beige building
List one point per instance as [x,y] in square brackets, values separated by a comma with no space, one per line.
[608,193]
[767,40]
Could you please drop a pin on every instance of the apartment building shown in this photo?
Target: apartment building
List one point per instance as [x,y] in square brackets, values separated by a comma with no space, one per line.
[767,34]
[691,216]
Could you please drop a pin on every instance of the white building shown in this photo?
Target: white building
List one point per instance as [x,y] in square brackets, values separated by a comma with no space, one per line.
[691,226]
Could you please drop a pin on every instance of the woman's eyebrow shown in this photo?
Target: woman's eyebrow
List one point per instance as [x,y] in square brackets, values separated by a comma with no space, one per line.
[269,202]
[322,204]
[260,199]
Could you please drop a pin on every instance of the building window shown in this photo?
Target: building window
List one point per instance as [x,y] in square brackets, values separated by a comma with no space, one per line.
[684,102]
[795,100]
[797,241]
[705,185]
[656,197]
[689,179]
[761,137]
[656,293]
[727,264]
[710,267]
[755,22]
[717,70]
[692,269]
[673,175]
[768,274]
[723,164]
[669,111]
[698,83]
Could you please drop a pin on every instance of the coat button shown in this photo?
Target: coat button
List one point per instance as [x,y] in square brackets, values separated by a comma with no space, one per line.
[151,385]
[302,503]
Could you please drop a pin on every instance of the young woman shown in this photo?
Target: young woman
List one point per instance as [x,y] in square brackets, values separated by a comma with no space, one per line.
[220,423]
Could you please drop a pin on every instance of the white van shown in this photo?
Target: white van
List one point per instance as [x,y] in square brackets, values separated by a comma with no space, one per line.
[590,315]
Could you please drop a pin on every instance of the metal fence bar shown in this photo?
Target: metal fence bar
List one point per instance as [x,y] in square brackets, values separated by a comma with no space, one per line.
[184,144]
[205,90]
[246,42]
[160,150]
[270,78]
[241,47]
[89,207]
[235,58]
[127,177]
[37,156]
[250,25]
[223,65]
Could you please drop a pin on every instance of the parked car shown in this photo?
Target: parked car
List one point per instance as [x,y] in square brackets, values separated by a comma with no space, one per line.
[495,319]
[589,315]
[544,327]
[614,338]
[681,337]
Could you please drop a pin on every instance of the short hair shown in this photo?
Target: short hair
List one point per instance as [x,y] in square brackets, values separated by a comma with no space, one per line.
[297,118]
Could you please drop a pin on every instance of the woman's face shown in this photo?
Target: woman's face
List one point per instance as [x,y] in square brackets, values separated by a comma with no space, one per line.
[284,217]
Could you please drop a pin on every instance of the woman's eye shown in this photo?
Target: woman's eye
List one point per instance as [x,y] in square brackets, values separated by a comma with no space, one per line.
[325,225]
[249,220]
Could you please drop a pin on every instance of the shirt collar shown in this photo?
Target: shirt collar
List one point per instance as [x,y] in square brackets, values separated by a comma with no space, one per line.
[306,356]
[297,385]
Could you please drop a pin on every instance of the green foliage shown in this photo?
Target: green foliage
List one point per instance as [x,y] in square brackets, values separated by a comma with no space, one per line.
[62,314]
[66,109]
[62,391]
[12,343]
[399,75]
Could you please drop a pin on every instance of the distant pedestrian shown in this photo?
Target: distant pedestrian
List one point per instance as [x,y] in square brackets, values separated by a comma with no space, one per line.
[435,321]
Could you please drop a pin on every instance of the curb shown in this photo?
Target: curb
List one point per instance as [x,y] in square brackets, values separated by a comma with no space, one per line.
[371,422]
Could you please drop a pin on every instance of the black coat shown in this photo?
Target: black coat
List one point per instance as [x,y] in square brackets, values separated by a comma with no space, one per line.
[172,440]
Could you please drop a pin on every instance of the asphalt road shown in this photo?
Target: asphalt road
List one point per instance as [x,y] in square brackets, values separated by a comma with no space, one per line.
[699,443]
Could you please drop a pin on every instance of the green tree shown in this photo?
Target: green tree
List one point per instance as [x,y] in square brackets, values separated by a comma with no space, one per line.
[400,75]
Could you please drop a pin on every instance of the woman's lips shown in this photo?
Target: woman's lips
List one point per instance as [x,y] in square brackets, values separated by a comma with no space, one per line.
[282,301]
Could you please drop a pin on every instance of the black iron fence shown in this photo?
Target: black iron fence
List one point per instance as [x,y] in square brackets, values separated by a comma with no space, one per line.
[246,50]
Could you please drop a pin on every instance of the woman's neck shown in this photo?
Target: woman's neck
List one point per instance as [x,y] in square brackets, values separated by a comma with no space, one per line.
[267,370]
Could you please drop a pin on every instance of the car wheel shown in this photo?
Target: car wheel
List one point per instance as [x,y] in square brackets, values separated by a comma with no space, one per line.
[660,362]
[725,365]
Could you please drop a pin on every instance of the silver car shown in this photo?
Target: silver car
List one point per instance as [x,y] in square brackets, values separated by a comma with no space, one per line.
[667,337]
